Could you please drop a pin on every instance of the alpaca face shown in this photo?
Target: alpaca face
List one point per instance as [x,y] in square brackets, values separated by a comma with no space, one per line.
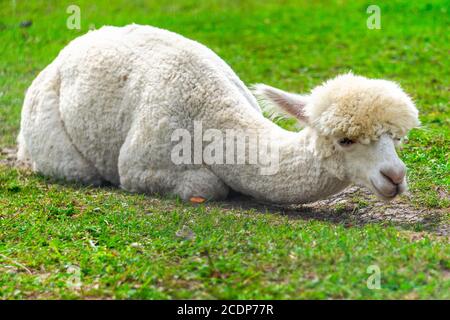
[358,118]
[375,165]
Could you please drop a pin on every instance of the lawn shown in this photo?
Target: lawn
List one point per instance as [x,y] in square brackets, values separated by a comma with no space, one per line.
[69,241]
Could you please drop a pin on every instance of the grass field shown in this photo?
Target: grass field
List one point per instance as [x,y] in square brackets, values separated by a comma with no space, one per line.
[69,241]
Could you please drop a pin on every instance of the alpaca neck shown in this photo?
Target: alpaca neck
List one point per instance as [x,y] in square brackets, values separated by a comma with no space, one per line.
[296,175]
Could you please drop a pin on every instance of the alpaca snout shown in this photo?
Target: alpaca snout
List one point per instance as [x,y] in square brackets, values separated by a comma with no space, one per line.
[396,175]
[388,187]
[390,180]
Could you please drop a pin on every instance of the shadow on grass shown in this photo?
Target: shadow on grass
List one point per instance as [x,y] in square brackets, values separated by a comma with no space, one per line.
[352,207]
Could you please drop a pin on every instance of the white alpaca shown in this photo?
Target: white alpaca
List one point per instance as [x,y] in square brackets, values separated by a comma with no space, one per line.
[105,110]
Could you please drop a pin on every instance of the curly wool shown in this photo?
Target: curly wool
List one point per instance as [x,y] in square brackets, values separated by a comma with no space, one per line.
[359,108]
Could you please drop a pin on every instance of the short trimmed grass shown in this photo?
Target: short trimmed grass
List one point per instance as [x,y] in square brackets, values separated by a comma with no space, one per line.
[135,246]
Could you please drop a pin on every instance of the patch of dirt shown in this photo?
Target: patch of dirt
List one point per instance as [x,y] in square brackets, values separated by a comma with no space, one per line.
[354,206]
[8,157]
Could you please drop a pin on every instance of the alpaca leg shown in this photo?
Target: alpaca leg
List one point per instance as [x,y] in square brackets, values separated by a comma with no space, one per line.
[145,164]
[185,184]
[201,183]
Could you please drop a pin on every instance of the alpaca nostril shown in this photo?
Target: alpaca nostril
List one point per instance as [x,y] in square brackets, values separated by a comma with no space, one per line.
[394,175]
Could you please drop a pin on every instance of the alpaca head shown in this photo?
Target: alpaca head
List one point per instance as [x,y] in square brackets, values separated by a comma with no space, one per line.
[357,120]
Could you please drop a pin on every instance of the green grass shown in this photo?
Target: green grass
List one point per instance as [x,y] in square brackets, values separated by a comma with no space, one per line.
[130,246]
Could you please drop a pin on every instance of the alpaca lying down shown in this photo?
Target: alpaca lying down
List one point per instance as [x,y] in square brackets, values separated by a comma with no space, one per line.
[151,111]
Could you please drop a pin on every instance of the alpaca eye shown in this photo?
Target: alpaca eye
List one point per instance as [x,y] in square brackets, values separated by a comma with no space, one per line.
[397,141]
[345,142]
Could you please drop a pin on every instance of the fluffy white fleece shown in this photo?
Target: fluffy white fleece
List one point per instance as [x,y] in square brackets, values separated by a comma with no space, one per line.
[104,110]
[360,108]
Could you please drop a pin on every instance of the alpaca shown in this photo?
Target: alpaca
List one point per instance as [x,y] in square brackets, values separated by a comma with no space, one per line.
[106,110]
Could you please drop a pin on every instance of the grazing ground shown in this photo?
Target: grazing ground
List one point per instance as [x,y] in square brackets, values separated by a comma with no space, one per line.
[68,241]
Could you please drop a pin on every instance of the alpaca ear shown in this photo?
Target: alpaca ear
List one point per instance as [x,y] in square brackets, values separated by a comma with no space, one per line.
[277,102]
